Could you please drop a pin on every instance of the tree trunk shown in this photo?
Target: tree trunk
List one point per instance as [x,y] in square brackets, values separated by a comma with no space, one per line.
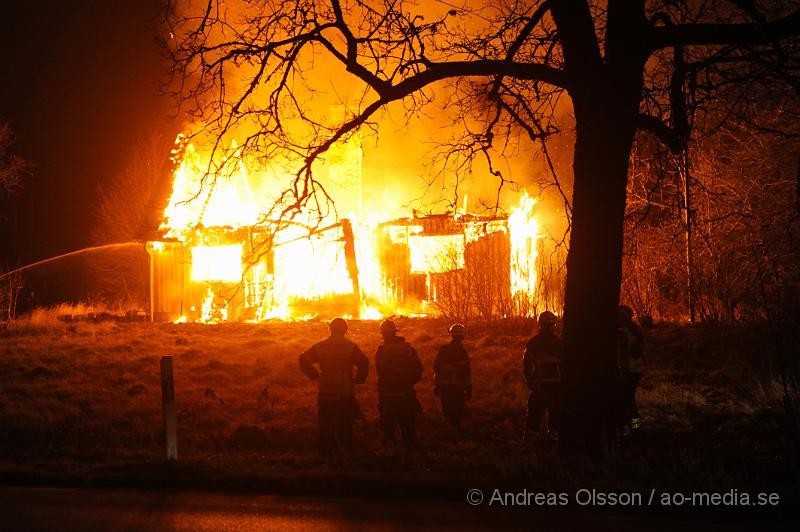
[605,126]
[605,95]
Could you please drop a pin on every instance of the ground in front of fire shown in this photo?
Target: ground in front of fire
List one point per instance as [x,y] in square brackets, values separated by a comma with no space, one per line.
[81,402]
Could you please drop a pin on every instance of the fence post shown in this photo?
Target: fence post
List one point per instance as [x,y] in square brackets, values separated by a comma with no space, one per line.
[168,400]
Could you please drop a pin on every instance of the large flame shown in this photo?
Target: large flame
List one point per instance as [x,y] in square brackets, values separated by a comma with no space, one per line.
[225,200]
[241,268]
[312,267]
[436,254]
[523,231]
[217,263]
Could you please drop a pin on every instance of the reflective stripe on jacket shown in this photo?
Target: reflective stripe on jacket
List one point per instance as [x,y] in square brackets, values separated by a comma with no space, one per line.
[542,359]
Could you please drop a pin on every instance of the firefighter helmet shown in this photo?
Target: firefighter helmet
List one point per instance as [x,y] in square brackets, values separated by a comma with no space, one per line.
[547,318]
[388,328]
[338,326]
[458,330]
[625,312]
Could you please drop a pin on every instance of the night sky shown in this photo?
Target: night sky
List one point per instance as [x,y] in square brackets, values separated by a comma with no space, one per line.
[81,83]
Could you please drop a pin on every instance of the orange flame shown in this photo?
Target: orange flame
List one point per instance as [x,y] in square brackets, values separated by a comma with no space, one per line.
[523,231]
[217,219]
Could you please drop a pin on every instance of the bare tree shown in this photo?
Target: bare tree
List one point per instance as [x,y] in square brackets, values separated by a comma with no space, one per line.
[13,168]
[551,274]
[742,191]
[13,172]
[121,277]
[474,281]
[508,64]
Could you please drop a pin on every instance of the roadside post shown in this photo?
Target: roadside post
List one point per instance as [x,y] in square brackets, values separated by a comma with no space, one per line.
[168,400]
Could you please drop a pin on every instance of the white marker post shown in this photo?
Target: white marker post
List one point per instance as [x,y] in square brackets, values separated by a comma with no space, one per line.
[168,399]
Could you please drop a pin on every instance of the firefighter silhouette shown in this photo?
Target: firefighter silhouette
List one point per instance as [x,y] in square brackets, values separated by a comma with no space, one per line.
[399,369]
[452,377]
[542,371]
[336,357]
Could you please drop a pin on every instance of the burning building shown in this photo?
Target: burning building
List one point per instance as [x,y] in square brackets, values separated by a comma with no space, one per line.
[220,258]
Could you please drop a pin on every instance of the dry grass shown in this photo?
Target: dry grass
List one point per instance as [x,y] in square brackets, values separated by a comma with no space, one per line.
[44,319]
[78,397]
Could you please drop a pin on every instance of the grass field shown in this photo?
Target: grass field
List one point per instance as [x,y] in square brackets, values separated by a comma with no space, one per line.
[81,402]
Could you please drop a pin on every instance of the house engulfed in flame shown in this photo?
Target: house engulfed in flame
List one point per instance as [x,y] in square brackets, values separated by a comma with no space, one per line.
[219,258]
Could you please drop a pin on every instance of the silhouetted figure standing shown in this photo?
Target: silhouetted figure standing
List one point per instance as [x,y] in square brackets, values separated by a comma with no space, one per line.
[453,377]
[399,369]
[542,370]
[336,357]
[629,358]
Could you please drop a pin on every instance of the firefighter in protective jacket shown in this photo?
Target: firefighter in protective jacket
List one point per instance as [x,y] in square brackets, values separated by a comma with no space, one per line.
[399,369]
[336,357]
[452,377]
[542,371]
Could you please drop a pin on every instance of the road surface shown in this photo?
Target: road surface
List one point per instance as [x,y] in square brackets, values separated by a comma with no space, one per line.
[51,509]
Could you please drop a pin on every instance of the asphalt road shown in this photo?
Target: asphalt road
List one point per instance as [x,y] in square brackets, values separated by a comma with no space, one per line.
[54,509]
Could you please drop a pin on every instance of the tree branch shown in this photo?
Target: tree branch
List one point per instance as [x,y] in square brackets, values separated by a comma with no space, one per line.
[719,34]
[662,131]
